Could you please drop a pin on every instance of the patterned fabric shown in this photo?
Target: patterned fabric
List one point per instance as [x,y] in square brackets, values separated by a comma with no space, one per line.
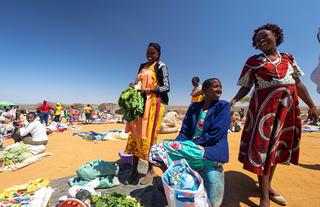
[272,130]
[200,123]
[143,131]
[168,151]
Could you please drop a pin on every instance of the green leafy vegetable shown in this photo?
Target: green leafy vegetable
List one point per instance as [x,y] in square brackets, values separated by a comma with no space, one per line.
[133,104]
[15,155]
[115,200]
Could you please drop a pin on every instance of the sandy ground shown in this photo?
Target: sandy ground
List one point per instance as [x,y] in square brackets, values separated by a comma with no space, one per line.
[300,184]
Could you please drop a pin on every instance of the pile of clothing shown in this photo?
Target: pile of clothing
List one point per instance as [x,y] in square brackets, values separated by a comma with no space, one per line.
[56,127]
[96,136]
[6,130]
[35,193]
[96,173]
[91,135]
[74,127]
[310,128]
[311,125]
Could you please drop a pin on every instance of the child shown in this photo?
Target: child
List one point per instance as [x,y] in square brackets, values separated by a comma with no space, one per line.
[196,93]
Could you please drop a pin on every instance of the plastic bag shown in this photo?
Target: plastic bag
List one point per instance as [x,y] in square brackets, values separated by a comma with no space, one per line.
[197,197]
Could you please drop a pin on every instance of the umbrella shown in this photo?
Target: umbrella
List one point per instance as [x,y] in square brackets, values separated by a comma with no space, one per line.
[6,103]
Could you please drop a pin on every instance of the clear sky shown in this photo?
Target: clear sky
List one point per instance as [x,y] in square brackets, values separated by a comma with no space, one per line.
[88,51]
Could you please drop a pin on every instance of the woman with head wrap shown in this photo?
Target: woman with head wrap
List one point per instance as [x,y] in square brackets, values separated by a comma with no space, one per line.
[143,132]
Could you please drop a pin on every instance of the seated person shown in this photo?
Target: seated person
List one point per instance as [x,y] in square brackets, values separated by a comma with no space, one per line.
[34,133]
[202,141]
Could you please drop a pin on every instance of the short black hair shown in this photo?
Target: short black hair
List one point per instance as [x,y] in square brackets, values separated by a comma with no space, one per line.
[206,84]
[33,114]
[196,79]
[274,28]
[157,47]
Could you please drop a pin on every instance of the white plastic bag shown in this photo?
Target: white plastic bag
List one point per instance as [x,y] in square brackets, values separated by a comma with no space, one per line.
[185,198]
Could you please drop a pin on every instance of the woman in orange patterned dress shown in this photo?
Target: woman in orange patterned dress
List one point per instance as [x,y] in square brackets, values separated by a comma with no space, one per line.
[143,131]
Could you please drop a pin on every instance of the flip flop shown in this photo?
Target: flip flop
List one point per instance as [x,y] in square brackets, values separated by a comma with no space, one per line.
[278,199]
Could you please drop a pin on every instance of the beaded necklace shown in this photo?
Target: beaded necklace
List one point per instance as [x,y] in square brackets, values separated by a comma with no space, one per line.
[275,63]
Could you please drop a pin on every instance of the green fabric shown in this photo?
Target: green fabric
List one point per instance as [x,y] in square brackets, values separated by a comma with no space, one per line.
[97,168]
[105,182]
[198,131]
[104,171]
[191,152]
[133,104]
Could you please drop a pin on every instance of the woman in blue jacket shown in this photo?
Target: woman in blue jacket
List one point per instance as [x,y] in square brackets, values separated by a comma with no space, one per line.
[202,141]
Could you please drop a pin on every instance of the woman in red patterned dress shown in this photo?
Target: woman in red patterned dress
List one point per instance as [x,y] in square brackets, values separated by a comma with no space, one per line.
[272,130]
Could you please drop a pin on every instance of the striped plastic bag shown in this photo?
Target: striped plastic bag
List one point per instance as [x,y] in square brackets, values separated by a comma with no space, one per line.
[184,198]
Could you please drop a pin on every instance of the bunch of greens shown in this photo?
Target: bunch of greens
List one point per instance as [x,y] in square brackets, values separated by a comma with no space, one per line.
[15,155]
[133,104]
[115,200]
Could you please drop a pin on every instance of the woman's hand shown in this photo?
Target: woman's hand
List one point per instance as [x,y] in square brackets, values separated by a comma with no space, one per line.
[312,112]
[233,102]
[145,90]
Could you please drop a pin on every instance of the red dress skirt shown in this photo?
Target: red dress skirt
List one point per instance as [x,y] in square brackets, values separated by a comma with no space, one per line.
[272,130]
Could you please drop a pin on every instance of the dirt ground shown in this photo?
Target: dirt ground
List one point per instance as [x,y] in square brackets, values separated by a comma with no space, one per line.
[300,184]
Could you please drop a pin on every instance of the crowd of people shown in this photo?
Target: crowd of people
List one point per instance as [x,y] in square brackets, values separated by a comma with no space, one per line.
[71,115]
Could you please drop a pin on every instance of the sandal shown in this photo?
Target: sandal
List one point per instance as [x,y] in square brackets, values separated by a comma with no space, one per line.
[278,199]
[148,178]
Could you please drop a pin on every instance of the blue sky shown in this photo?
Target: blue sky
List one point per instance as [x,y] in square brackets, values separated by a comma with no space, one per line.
[88,51]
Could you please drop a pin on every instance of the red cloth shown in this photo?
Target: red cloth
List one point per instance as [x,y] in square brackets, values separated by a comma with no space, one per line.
[44,108]
[272,130]
[71,113]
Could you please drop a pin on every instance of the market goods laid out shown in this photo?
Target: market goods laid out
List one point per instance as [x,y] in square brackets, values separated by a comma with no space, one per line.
[19,155]
[96,136]
[310,128]
[35,193]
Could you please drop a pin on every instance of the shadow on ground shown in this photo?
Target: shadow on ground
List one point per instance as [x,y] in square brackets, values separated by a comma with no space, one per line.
[238,189]
[311,167]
